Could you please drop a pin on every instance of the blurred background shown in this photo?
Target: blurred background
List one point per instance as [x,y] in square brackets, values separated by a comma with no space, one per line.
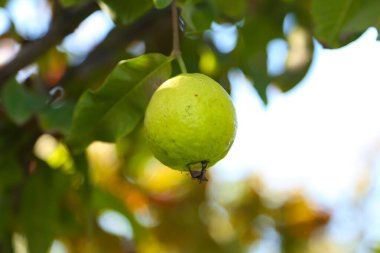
[302,176]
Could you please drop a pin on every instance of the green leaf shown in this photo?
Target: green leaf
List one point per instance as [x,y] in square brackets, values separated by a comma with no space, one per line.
[71,2]
[6,218]
[41,199]
[125,11]
[19,103]
[256,69]
[161,4]
[116,108]
[57,119]
[197,17]
[340,22]
[367,16]
[10,171]
[295,71]
[257,32]
[10,175]
[236,10]
[329,18]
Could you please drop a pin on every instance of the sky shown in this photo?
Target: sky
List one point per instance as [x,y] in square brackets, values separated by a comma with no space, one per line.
[317,136]
[322,138]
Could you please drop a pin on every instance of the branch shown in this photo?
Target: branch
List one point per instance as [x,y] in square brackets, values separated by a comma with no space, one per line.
[65,24]
[152,28]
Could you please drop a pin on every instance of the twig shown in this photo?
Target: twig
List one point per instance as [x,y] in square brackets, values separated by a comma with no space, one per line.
[176,48]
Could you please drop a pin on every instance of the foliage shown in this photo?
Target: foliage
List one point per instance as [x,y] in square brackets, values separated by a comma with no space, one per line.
[53,188]
[115,109]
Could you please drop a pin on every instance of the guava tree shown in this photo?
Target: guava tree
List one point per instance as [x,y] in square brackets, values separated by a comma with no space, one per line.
[104,97]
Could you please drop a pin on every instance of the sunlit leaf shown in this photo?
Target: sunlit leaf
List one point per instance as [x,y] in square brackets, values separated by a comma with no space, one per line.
[208,63]
[116,108]
[19,103]
[125,12]
[300,219]
[161,4]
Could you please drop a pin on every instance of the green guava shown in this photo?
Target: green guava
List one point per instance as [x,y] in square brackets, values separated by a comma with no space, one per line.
[190,123]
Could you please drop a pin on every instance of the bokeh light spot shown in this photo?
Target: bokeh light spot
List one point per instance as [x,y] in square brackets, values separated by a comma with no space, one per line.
[224,36]
[115,223]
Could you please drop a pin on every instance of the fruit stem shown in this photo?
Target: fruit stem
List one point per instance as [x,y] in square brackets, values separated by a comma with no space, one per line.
[176,48]
[181,64]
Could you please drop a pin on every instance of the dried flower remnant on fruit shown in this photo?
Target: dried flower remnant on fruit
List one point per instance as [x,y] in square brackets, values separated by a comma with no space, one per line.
[200,174]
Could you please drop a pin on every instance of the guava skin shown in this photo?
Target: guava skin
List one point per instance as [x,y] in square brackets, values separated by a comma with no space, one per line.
[190,119]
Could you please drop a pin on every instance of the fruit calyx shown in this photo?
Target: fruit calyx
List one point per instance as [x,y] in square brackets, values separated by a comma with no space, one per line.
[199,174]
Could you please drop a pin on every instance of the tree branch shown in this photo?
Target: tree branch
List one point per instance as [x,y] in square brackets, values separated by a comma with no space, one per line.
[65,24]
[153,28]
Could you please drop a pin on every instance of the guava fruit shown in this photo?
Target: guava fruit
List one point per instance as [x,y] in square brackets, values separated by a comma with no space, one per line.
[190,123]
